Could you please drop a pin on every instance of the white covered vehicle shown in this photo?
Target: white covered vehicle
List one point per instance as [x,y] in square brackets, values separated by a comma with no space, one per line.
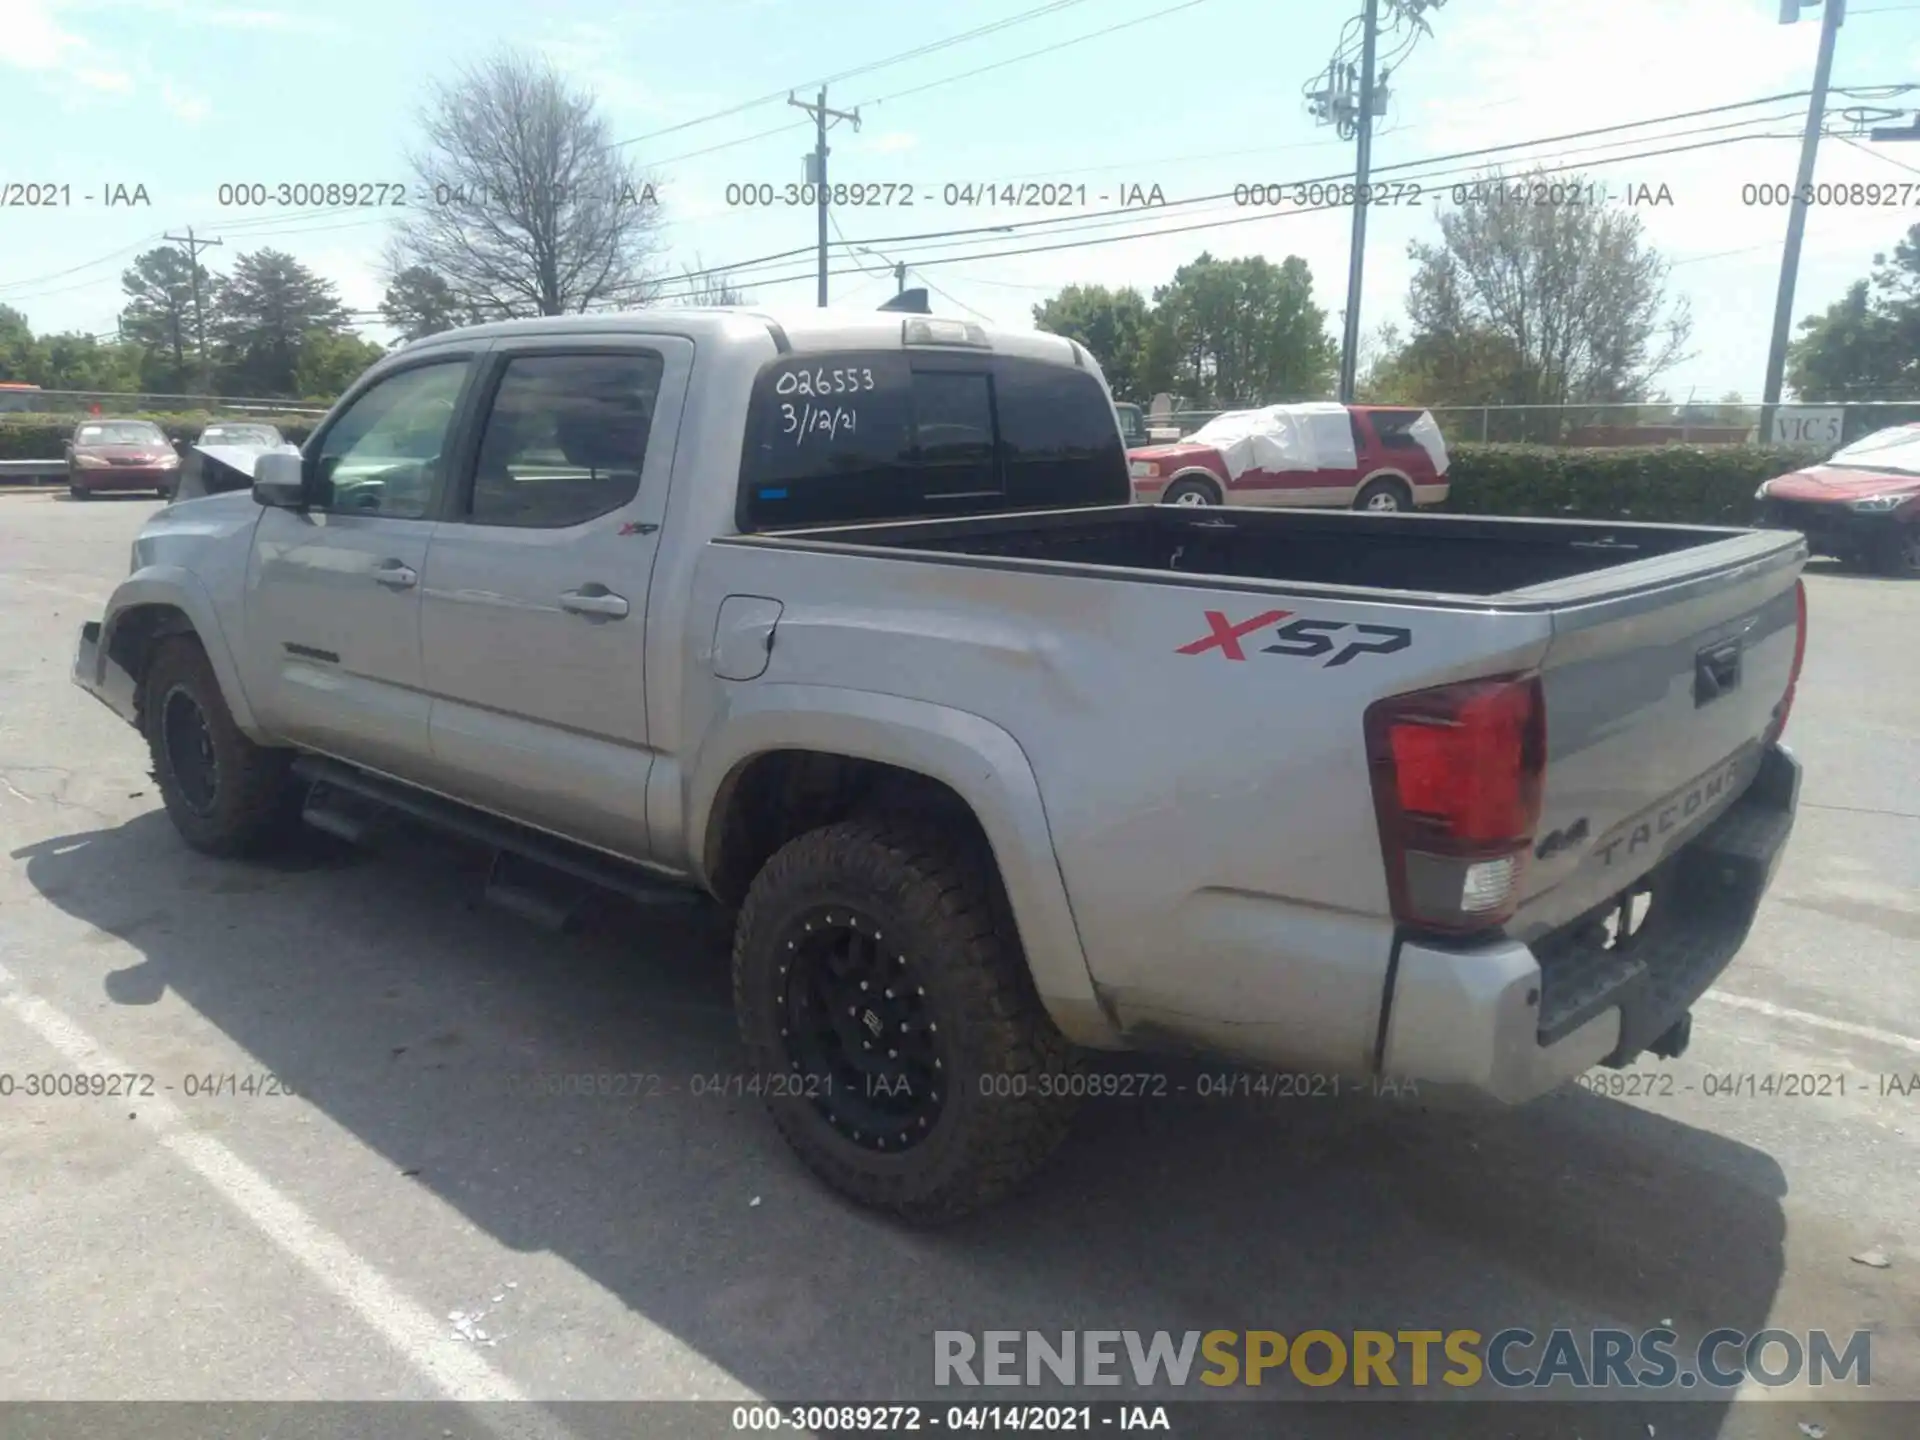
[1367,457]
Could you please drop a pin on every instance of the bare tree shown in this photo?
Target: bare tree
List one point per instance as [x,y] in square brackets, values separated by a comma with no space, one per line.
[1566,297]
[710,287]
[526,209]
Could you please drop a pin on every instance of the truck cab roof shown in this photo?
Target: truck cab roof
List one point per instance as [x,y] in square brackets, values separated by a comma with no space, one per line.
[794,329]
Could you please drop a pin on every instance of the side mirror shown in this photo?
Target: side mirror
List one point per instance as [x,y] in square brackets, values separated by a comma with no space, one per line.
[280,481]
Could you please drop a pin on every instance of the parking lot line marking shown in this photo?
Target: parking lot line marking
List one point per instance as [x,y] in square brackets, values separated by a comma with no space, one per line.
[1804,1017]
[458,1372]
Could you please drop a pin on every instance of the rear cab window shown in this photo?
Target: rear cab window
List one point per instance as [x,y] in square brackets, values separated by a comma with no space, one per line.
[908,434]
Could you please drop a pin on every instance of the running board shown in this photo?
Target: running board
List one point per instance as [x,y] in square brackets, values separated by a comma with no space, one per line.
[342,797]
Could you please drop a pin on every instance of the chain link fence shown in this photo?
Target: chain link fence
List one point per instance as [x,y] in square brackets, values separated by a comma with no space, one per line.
[1612,426]
[1606,426]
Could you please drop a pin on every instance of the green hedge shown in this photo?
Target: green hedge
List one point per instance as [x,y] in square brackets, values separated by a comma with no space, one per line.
[44,437]
[1680,484]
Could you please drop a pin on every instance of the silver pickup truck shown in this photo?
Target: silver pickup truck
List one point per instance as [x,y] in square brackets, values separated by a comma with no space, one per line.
[846,621]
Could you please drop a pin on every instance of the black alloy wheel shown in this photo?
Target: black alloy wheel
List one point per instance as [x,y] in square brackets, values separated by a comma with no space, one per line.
[856,1026]
[191,754]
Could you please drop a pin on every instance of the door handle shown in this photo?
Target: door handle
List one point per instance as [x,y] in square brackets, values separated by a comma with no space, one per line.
[396,576]
[594,600]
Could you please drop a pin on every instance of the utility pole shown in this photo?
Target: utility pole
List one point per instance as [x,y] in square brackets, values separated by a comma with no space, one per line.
[194,247]
[1363,165]
[1331,99]
[1836,11]
[900,278]
[817,165]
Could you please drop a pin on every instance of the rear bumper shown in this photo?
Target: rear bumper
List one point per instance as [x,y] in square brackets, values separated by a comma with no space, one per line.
[1509,1021]
[101,676]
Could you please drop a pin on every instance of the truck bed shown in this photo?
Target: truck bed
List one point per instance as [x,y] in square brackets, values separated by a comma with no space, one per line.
[1664,652]
[1427,555]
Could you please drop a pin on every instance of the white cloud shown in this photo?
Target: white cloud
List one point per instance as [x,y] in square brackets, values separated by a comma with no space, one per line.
[112,82]
[190,108]
[33,38]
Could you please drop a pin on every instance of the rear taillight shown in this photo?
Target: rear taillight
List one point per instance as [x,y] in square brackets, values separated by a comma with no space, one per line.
[1785,707]
[1457,775]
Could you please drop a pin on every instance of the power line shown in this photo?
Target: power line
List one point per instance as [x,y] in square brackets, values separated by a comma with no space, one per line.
[1865,150]
[896,95]
[1248,219]
[1016,19]
[1034,54]
[1879,91]
[1099,219]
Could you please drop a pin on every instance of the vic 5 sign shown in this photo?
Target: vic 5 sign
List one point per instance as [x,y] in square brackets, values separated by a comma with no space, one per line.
[1808,424]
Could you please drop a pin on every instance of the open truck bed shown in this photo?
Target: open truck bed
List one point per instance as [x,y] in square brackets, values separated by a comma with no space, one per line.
[1432,556]
[1198,690]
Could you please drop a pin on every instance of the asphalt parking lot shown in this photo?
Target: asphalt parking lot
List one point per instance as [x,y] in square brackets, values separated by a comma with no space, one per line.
[411,1224]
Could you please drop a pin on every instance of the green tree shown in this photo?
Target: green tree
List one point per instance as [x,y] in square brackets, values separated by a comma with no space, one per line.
[420,302]
[1569,299]
[17,353]
[1470,366]
[1112,324]
[160,317]
[1866,345]
[80,362]
[1242,332]
[265,313]
[329,362]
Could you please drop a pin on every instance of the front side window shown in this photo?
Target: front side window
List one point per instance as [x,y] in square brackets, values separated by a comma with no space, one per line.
[384,456]
[565,439]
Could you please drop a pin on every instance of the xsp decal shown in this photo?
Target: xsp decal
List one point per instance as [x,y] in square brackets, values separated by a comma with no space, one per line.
[1227,637]
[1310,639]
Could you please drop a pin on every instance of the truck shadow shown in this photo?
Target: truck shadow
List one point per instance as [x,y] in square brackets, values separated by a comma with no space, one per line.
[415,1018]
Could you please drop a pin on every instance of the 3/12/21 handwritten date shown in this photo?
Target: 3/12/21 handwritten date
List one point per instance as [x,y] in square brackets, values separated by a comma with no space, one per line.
[810,419]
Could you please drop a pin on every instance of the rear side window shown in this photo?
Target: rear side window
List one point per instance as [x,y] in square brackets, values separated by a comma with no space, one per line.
[892,436]
[1392,426]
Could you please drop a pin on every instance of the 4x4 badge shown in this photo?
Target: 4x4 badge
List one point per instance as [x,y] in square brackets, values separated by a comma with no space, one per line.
[1306,638]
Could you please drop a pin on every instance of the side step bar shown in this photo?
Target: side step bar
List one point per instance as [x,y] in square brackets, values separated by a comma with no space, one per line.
[345,802]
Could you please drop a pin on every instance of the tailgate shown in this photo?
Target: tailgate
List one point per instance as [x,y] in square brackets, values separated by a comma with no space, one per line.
[1658,694]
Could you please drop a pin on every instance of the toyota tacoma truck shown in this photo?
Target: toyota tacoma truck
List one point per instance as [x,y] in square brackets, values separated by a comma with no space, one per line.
[847,622]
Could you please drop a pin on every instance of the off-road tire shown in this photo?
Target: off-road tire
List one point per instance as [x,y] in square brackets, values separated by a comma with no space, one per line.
[1011,1097]
[255,801]
[1176,493]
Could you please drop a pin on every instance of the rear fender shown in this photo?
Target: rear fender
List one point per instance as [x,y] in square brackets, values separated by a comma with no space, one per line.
[975,758]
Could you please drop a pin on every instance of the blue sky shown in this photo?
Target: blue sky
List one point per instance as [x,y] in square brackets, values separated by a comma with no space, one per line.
[181,96]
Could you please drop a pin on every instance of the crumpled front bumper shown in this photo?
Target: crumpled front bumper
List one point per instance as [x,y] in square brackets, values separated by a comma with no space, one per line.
[1509,1021]
[97,673]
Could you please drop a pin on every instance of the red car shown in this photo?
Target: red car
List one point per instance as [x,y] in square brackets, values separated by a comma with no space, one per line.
[1862,505]
[120,455]
[1367,457]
